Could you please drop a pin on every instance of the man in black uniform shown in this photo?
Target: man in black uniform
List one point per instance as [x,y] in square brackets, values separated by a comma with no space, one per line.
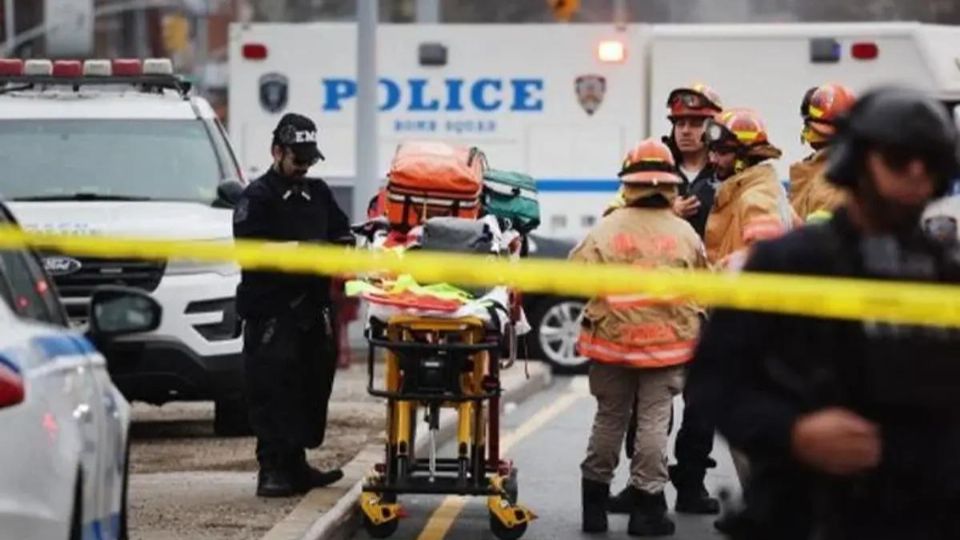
[852,428]
[289,346]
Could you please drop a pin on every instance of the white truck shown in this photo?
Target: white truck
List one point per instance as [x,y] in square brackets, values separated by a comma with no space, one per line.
[560,102]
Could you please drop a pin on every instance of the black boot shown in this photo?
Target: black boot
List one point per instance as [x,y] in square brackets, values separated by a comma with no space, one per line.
[692,496]
[274,482]
[594,497]
[649,516]
[622,503]
[306,477]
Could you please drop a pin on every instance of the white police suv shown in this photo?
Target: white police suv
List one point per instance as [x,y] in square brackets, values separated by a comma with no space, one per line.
[121,148]
[63,460]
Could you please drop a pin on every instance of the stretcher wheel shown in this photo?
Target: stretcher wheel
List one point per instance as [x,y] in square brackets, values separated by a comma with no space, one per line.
[503,532]
[383,530]
[511,486]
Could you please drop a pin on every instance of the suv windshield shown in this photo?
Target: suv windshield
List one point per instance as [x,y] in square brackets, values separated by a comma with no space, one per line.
[107,159]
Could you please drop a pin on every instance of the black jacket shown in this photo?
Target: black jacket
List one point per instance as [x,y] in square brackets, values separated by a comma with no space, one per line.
[277,209]
[759,372]
[700,187]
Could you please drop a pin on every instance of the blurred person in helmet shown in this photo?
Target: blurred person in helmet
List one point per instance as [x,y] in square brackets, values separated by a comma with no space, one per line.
[811,195]
[639,344]
[749,204]
[691,109]
[852,428]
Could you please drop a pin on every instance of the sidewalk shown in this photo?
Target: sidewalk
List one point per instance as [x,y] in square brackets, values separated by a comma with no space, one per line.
[187,483]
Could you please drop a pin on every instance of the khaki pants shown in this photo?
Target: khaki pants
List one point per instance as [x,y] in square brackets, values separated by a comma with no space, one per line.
[616,388]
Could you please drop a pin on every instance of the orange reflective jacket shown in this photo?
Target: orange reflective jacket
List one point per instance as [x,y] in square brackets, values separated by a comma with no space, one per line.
[638,330]
[810,191]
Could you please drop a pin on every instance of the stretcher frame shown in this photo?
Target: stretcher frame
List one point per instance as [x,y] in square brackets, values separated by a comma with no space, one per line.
[477,469]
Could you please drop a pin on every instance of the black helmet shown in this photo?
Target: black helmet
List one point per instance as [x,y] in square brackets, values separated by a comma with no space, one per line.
[901,123]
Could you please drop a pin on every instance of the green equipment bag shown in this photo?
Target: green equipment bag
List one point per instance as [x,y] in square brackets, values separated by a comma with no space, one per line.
[512,196]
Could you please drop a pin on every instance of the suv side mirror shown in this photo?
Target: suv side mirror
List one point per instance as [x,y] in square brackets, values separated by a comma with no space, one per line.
[228,194]
[118,311]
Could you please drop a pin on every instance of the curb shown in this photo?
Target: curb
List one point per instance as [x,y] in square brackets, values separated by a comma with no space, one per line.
[342,520]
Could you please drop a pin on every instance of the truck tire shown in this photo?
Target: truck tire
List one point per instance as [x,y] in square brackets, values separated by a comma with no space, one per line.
[555,322]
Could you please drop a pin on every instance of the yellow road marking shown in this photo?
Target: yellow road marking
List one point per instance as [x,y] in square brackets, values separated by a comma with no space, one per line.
[443,518]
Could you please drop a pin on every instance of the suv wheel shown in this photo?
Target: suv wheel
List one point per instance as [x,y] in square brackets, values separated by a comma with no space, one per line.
[231,418]
[556,327]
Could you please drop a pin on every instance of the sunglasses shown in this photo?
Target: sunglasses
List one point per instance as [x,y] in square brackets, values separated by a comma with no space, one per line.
[899,158]
[303,164]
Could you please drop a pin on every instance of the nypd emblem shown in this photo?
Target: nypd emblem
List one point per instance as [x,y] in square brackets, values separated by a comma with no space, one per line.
[273,92]
[590,91]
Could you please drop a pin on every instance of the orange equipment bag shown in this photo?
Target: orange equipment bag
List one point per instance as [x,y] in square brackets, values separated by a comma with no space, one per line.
[431,179]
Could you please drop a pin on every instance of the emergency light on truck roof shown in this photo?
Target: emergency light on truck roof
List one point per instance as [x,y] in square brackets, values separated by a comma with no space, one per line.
[254,51]
[865,50]
[611,50]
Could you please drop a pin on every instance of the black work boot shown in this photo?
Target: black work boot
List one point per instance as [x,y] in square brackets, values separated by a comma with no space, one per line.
[306,477]
[594,496]
[314,478]
[622,503]
[692,496]
[274,482]
[649,516]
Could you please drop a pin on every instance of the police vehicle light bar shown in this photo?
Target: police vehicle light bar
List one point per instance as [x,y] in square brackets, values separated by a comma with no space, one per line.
[11,66]
[38,67]
[127,67]
[157,66]
[67,68]
[612,51]
[254,51]
[97,68]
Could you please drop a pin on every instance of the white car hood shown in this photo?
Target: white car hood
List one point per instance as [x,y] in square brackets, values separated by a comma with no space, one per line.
[154,219]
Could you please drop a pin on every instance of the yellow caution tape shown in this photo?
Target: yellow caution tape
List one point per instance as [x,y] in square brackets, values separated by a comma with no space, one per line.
[841,298]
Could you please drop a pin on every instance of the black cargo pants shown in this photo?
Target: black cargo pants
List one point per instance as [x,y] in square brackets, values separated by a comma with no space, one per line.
[290,366]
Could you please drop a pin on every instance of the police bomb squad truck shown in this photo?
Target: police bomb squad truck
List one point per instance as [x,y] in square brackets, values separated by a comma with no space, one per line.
[562,103]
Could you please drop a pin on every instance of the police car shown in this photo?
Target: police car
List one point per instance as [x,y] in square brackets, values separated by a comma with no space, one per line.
[122,148]
[63,461]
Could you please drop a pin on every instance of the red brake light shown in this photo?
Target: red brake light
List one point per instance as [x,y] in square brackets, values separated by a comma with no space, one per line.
[127,67]
[11,66]
[864,51]
[67,68]
[254,51]
[11,386]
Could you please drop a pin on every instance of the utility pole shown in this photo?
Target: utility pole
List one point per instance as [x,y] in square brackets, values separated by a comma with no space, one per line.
[367,141]
[9,26]
[620,14]
[428,11]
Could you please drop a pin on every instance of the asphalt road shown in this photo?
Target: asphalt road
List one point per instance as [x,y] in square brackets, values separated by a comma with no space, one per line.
[547,437]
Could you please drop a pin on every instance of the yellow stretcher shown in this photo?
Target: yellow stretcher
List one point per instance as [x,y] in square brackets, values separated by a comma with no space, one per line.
[433,364]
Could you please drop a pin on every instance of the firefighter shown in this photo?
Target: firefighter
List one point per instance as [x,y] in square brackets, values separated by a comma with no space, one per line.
[811,195]
[750,204]
[639,345]
[851,427]
[690,110]
[289,342]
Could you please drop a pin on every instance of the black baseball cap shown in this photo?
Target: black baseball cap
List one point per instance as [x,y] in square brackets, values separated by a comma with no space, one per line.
[299,134]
